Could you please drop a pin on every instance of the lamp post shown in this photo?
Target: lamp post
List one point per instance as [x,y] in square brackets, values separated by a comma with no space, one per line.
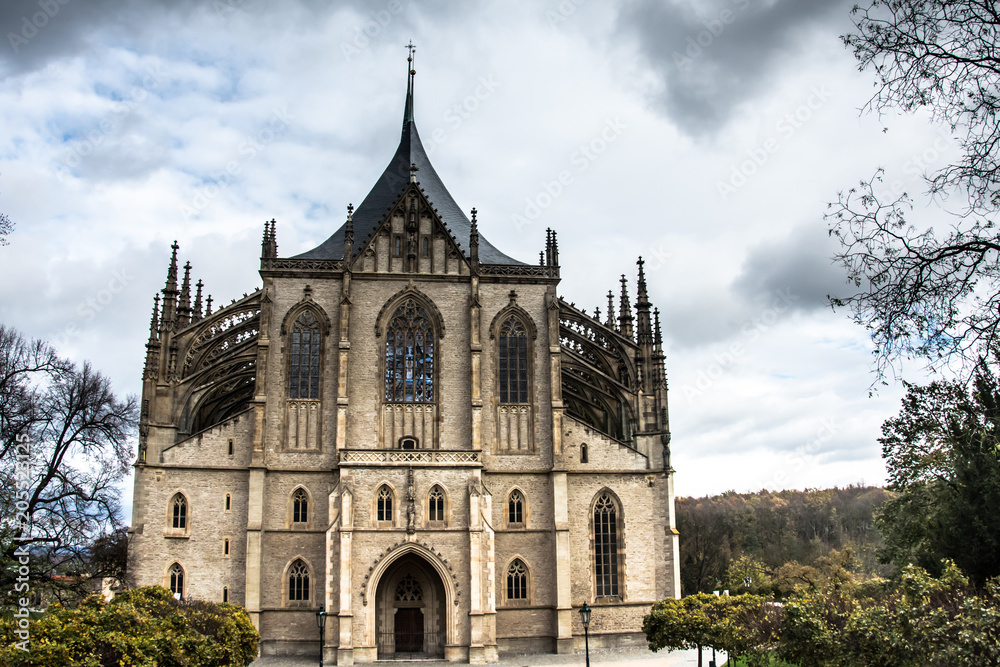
[321,624]
[585,619]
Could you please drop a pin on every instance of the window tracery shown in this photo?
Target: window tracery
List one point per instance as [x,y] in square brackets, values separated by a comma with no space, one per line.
[303,374]
[384,504]
[300,506]
[515,508]
[606,544]
[409,355]
[517,581]
[298,582]
[176,575]
[435,504]
[513,361]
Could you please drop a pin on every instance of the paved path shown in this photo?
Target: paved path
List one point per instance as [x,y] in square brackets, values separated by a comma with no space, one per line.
[636,657]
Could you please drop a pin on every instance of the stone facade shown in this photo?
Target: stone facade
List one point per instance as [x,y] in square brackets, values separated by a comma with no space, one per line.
[413,432]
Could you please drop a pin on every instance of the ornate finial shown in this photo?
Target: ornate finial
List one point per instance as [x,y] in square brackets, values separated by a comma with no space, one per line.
[541,258]
[197,301]
[597,314]
[413,172]
[624,311]
[350,211]
[208,306]
[172,269]
[154,323]
[656,319]
[411,47]
[611,309]
[513,298]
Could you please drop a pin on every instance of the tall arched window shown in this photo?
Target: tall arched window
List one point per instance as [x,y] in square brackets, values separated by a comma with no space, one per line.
[517,581]
[409,356]
[303,375]
[606,543]
[384,504]
[515,509]
[300,506]
[513,361]
[298,582]
[176,574]
[178,512]
[435,504]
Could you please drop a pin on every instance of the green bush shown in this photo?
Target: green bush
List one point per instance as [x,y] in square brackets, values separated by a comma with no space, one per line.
[144,627]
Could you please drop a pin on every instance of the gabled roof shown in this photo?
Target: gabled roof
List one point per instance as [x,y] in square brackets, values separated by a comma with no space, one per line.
[373,210]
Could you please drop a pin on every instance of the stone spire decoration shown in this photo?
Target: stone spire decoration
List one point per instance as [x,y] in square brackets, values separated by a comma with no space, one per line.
[184,304]
[349,235]
[474,241]
[658,356]
[625,312]
[154,322]
[551,248]
[169,314]
[196,313]
[208,306]
[610,322]
[269,246]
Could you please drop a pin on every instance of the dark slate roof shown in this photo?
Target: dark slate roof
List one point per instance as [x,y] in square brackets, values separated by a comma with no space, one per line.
[373,210]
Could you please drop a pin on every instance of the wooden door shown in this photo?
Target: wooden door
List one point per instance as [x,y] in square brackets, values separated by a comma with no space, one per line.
[409,630]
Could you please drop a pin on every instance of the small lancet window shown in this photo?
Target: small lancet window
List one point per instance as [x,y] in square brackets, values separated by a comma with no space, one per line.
[513,361]
[225,594]
[517,581]
[427,247]
[179,512]
[384,509]
[435,505]
[583,453]
[300,507]
[225,547]
[298,581]
[304,358]
[229,502]
[515,508]
[399,246]
[177,580]
[409,356]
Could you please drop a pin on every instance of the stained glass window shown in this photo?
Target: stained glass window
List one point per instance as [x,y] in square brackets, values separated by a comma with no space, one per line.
[513,362]
[304,369]
[606,546]
[298,581]
[517,581]
[409,356]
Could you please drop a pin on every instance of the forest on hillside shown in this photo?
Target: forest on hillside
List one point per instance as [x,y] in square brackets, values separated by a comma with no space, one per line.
[778,538]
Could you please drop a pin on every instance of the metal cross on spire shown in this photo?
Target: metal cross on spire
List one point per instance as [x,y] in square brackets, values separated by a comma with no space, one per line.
[411,47]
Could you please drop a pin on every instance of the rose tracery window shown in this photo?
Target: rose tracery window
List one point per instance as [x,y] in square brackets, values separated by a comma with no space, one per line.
[409,356]
[513,361]
[409,590]
[304,359]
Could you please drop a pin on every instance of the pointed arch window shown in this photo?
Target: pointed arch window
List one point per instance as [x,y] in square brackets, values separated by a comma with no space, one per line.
[178,512]
[515,509]
[435,504]
[303,375]
[517,581]
[176,576]
[607,538]
[298,582]
[300,507]
[513,361]
[409,356]
[384,504]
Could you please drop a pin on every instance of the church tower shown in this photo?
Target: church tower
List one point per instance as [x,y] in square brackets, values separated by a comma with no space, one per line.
[411,431]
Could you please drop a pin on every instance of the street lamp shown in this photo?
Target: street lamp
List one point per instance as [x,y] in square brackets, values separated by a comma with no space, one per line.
[585,619]
[321,624]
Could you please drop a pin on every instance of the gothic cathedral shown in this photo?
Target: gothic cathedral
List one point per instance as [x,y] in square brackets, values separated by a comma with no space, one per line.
[410,431]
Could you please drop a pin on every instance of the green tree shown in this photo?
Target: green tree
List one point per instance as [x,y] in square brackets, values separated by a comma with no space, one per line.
[679,624]
[922,293]
[942,454]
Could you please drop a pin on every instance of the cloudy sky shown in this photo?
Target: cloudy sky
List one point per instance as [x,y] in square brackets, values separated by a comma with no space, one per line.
[707,137]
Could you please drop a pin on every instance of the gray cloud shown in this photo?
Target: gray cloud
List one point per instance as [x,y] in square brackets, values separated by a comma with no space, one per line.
[799,265]
[714,56]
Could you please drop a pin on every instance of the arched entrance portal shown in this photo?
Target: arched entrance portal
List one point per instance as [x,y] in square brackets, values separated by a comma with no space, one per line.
[410,610]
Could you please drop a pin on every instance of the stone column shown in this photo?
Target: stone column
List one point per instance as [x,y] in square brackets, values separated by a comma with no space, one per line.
[564,593]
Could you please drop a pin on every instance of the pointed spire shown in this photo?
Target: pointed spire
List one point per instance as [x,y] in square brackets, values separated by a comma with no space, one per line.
[624,311]
[474,240]
[610,322]
[184,303]
[196,315]
[154,324]
[645,332]
[169,311]
[269,246]
[410,72]
[658,356]
[541,258]
[597,314]
[349,235]
[208,306]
